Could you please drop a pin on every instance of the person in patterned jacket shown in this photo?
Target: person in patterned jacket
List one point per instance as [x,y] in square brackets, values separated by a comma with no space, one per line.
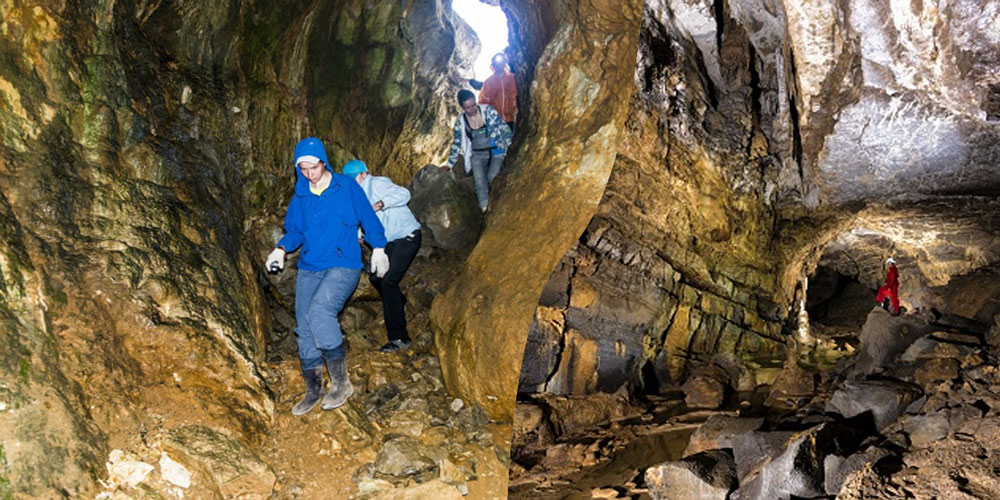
[481,135]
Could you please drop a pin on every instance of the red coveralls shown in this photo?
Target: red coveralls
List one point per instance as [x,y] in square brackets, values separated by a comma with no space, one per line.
[890,289]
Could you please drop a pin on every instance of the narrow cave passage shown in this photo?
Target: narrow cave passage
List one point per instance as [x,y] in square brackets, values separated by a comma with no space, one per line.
[402,432]
[489,22]
[147,164]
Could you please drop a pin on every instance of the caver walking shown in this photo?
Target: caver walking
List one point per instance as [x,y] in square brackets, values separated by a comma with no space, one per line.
[323,218]
[402,231]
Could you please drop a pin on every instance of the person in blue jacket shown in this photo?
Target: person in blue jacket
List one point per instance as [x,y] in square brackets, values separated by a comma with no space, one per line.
[323,218]
[402,230]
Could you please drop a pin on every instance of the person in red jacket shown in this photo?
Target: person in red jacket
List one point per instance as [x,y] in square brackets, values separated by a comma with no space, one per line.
[500,91]
[889,292]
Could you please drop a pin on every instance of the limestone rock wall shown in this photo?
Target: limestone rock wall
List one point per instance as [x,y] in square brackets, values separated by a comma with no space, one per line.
[144,154]
[554,178]
[761,133]
[674,266]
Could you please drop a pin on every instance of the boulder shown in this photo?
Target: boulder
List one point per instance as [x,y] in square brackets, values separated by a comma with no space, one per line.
[751,449]
[923,430]
[705,390]
[836,468]
[718,431]
[220,463]
[403,456]
[783,465]
[796,469]
[935,371]
[884,338]
[934,346]
[885,399]
[709,475]
[445,204]
[793,387]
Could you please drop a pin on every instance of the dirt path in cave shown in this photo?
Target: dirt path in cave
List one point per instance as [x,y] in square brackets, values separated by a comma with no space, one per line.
[336,454]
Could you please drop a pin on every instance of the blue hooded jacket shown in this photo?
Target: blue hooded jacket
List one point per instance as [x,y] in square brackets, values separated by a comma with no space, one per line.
[326,226]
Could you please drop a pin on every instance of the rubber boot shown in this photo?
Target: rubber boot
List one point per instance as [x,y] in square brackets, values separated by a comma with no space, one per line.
[314,391]
[340,384]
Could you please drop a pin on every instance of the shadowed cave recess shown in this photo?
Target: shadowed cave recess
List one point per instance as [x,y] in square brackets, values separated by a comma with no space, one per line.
[693,220]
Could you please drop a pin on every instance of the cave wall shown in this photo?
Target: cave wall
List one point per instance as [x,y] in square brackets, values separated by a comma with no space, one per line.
[554,179]
[144,162]
[674,267]
[761,133]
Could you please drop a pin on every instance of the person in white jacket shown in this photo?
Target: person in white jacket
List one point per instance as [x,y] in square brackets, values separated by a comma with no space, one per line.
[402,231]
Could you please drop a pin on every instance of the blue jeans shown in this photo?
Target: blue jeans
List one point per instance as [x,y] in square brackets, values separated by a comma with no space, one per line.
[319,297]
[485,168]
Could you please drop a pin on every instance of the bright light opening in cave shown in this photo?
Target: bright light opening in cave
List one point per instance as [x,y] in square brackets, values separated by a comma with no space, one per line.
[490,25]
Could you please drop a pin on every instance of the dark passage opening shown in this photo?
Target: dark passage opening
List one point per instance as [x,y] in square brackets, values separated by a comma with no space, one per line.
[837,300]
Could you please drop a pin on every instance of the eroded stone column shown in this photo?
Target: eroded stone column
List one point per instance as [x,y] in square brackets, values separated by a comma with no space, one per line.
[554,180]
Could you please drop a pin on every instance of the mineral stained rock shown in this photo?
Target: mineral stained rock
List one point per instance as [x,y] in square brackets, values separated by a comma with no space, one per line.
[144,156]
[764,138]
[551,188]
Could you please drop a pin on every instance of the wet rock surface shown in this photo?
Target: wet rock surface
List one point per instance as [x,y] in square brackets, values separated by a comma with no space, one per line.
[767,141]
[547,192]
[855,436]
[144,167]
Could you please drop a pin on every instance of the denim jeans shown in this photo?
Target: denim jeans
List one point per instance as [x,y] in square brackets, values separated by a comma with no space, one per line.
[319,297]
[485,168]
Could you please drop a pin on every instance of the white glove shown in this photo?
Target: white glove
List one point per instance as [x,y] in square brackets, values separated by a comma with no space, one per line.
[380,262]
[275,261]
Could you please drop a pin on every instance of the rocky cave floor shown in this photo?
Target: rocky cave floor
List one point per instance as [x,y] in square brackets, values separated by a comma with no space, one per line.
[906,407]
[400,436]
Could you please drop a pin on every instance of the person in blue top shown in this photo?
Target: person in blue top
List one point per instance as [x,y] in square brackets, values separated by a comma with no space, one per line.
[403,233]
[323,218]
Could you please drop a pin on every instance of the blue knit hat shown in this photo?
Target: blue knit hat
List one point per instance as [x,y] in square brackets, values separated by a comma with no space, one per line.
[311,150]
[354,167]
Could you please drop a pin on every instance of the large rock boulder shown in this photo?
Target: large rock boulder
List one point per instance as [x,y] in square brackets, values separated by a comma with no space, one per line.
[718,432]
[790,465]
[884,399]
[445,204]
[709,475]
[884,338]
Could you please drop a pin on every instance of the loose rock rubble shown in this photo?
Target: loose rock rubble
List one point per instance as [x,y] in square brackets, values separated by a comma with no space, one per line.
[892,421]
[401,435]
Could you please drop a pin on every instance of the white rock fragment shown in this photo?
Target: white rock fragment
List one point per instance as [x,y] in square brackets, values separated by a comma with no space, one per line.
[235,109]
[173,472]
[124,471]
[457,405]
[186,94]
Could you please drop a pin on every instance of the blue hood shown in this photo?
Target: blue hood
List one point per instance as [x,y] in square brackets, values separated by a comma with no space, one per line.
[313,147]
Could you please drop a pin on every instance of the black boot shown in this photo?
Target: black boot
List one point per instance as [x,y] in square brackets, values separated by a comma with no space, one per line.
[340,384]
[314,391]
